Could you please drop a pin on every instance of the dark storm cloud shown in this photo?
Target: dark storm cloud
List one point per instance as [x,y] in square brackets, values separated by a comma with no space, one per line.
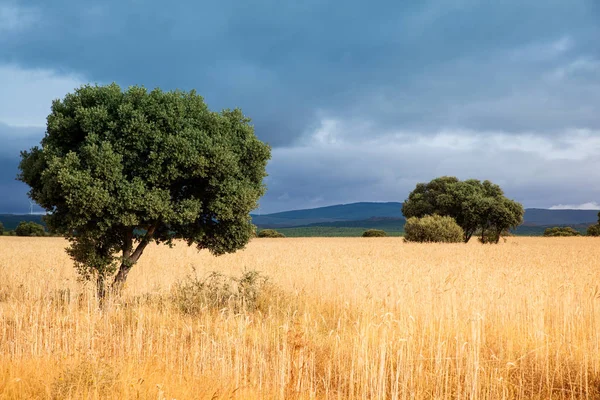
[399,64]
[345,91]
[13,194]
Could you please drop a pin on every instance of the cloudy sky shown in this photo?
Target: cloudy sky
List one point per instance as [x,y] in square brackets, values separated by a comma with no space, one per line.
[359,100]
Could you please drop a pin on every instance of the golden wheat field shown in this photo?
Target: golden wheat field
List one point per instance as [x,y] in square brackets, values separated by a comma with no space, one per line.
[339,318]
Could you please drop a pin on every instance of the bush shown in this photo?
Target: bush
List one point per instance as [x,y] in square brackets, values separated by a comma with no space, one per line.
[217,291]
[593,230]
[270,233]
[30,229]
[433,228]
[374,233]
[561,231]
[1,229]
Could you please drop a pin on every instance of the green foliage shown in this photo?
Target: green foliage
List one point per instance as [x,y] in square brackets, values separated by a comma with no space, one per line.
[593,230]
[374,233]
[28,228]
[270,233]
[561,231]
[475,206]
[218,291]
[433,228]
[120,169]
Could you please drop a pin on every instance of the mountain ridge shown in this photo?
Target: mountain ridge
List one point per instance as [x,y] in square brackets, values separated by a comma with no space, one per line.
[353,214]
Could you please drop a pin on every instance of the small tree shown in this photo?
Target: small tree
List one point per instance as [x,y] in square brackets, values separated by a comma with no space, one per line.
[374,233]
[270,233]
[118,170]
[30,229]
[594,230]
[433,228]
[561,231]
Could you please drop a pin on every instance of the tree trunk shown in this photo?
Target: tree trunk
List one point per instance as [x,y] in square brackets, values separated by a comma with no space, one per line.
[130,258]
[101,289]
[468,236]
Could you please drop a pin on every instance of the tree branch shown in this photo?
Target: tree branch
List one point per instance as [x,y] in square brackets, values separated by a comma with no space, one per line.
[129,258]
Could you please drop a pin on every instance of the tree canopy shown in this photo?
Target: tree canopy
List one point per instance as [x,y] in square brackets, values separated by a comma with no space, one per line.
[30,228]
[270,233]
[561,231]
[374,233]
[119,169]
[476,206]
[594,230]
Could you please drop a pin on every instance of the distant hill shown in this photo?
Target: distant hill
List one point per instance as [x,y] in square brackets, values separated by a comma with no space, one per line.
[341,212]
[10,221]
[359,216]
[388,216]
[539,216]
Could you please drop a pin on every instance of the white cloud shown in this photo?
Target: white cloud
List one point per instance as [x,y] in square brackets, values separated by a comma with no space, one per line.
[27,94]
[537,170]
[585,206]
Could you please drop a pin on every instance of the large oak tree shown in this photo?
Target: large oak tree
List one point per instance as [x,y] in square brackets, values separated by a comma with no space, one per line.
[119,169]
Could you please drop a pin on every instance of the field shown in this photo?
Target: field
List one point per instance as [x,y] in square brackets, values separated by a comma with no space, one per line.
[338,318]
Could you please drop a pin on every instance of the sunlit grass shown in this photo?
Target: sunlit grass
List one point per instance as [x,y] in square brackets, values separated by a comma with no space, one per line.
[340,318]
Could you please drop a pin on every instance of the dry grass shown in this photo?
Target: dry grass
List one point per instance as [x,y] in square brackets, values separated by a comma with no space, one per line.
[346,318]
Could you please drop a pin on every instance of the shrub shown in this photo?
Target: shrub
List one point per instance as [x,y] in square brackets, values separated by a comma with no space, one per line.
[593,230]
[561,231]
[270,233]
[218,291]
[1,229]
[433,228]
[374,233]
[30,229]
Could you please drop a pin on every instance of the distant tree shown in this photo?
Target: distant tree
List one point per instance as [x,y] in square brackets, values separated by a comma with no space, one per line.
[374,233]
[594,230]
[1,229]
[475,206]
[270,233]
[29,228]
[118,170]
[561,231]
[433,228]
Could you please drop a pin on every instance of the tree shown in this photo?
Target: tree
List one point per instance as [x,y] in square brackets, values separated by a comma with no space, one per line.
[594,230]
[374,233]
[433,228]
[118,170]
[270,233]
[1,229]
[475,206]
[561,231]
[30,228]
